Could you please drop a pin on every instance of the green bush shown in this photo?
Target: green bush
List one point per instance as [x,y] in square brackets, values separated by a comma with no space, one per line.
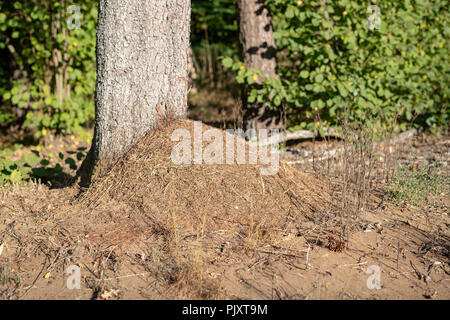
[33,166]
[15,171]
[48,76]
[332,64]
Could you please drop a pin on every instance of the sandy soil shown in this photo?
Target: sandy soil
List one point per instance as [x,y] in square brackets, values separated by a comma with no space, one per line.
[122,255]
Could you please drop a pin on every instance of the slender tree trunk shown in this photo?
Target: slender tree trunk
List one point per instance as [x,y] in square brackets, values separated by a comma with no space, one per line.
[259,52]
[192,71]
[142,57]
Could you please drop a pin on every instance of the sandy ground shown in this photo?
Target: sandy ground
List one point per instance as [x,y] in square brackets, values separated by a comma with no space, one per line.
[388,252]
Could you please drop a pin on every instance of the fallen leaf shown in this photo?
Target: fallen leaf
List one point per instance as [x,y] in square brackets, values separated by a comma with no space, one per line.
[108,294]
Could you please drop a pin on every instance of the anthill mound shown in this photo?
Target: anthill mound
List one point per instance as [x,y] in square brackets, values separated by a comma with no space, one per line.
[190,199]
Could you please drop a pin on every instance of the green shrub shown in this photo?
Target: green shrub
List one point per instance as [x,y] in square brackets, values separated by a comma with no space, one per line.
[331,64]
[16,171]
[48,76]
[33,166]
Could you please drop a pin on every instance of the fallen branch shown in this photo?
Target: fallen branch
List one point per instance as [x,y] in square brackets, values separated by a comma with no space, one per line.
[331,153]
[403,136]
[279,253]
[296,135]
[126,276]
[353,264]
[307,256]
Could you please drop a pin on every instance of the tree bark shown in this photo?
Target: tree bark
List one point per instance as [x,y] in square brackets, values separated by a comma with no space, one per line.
[259,52]
[142,57]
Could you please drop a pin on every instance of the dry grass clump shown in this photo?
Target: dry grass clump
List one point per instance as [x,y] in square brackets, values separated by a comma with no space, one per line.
[169,221]
[183,200]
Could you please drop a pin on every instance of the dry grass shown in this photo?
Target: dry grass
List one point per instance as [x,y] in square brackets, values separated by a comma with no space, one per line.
[165,194]
[190,212]
[175,227]
[205,203]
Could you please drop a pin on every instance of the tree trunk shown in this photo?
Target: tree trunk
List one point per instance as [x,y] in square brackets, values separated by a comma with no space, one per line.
[192,71]
[142,56]
[259,52]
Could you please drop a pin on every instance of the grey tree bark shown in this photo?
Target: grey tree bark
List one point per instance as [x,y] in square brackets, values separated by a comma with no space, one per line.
[259,52]
[142,57]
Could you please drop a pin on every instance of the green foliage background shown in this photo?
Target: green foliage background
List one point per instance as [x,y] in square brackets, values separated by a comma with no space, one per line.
[214,33]
[330,63]
[48,73]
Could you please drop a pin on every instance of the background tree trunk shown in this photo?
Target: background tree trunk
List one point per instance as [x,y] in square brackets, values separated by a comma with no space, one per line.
[259,52]
[192,71]
[142,57]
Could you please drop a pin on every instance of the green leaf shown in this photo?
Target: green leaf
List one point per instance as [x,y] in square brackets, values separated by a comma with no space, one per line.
[342,90]
[16,176]
[277,101]
[227,62]
[32,159]
[7,95]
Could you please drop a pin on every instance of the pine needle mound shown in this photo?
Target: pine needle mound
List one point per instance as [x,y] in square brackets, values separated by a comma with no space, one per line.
[194,199]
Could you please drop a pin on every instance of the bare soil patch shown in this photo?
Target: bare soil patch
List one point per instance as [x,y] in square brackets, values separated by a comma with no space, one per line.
[150,229]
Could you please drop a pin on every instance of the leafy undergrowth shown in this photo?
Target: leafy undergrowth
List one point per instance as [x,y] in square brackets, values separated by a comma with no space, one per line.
[53,163]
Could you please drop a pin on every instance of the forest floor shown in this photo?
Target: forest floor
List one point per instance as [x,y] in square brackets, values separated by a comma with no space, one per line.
[320,247]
